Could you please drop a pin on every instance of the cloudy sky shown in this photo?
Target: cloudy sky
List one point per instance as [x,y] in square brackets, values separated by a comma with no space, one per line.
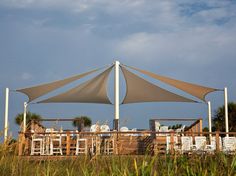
[46,40]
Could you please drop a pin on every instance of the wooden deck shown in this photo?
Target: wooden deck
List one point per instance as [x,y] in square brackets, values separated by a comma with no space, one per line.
[125,143]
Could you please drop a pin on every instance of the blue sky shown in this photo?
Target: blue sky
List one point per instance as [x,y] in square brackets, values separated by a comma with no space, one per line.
[46,40]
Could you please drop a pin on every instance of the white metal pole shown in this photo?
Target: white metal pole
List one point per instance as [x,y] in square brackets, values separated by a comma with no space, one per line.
[209,117]
[24,117]
[117,100]
[226,112]
[6,114]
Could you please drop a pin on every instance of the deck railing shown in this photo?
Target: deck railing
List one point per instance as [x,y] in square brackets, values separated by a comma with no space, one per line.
[131,142]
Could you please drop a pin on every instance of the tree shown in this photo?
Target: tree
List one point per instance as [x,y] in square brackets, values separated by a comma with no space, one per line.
[81,122]
[29,117]
[205,129]
[219,118]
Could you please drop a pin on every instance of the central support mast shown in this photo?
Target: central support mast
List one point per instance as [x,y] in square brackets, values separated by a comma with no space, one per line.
[116,97]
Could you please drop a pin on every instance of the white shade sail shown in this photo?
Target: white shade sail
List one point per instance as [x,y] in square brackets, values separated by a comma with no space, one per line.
[193,89]
[140,90]
[40,90]
[92,91]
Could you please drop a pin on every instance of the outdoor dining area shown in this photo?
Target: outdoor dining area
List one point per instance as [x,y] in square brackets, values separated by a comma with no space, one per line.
[51,141]
[106,140]
[101,140]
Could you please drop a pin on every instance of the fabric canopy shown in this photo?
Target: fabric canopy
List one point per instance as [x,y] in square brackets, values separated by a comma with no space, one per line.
[193,89]
[92,91]
[140,90]
[40,90]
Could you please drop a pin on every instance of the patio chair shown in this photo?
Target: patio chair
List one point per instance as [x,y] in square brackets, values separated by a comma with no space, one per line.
[157,126]
[96,139]
[124,129]
[200,144]
[105,128]
[186,144]
[95,128]
[229,145]
[168,144]
[180,130]
[81,145]
[212,146]
[96,145]
[55,143]
[109,145]
[37,144]
[164,129]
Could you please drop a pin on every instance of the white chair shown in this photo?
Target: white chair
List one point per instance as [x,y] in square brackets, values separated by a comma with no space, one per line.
[168,144]
[96,145]
[180,130]
[212,146]
[200,144]
[49,130]
[37,144]
[229,145]
[94,128]
[55,143]
[124,129]
[109,144]
[164,130]
[157,126]
[135,134]
[186,143]
[105,128]
[96,141]
[81,146]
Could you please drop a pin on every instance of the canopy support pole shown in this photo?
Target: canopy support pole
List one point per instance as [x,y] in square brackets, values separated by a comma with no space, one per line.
[24,116]
[116,94]
[209,118]
[226,112]
[6,114]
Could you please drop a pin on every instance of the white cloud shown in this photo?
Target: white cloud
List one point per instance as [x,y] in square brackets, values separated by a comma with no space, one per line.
[160,31]
[200,45]
[161,15]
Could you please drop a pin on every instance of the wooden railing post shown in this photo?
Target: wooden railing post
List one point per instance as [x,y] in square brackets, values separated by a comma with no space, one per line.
[197,129]
[172,142]
[192,132]
[116,143]
[68,143]
[21,143]
[217,141]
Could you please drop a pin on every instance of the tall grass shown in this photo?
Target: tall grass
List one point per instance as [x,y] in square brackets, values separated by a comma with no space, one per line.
[194,165]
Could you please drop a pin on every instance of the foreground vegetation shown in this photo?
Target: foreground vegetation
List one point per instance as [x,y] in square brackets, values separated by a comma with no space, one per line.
[217,165]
